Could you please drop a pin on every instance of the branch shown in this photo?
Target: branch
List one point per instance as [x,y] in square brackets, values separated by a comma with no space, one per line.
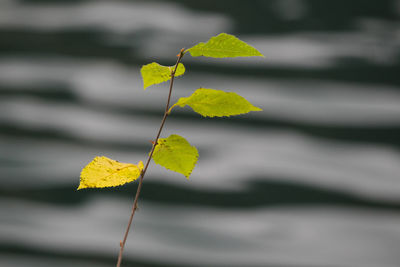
[134,206]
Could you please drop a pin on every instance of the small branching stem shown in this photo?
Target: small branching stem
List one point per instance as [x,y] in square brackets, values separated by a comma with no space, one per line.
[139,188]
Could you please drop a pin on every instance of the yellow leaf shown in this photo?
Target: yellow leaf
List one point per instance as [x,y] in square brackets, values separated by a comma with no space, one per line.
[224,45]
[155,73]
[176,154]
[216,103]
[105,172]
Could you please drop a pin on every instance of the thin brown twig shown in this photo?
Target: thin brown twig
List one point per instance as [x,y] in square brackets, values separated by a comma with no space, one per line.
[134,206]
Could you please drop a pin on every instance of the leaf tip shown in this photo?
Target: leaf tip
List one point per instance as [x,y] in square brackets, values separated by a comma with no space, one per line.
[257,109]
[80,187]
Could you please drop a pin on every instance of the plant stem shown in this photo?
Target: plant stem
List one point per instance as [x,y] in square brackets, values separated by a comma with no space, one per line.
[134,206]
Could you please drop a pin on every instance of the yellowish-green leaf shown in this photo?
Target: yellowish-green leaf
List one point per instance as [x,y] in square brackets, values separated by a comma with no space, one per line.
[104,172]
[155,73]
[216,103]
[224,45]
[176,154]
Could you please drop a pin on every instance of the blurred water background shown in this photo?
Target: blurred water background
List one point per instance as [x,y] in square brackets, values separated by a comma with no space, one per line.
[313,180]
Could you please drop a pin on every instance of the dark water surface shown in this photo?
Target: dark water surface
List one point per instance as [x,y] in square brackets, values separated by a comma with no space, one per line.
[312,181]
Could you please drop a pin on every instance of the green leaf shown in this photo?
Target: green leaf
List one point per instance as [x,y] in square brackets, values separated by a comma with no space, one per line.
[224,45]
[176,154]
[104,172]
[216,103]
[155,73]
